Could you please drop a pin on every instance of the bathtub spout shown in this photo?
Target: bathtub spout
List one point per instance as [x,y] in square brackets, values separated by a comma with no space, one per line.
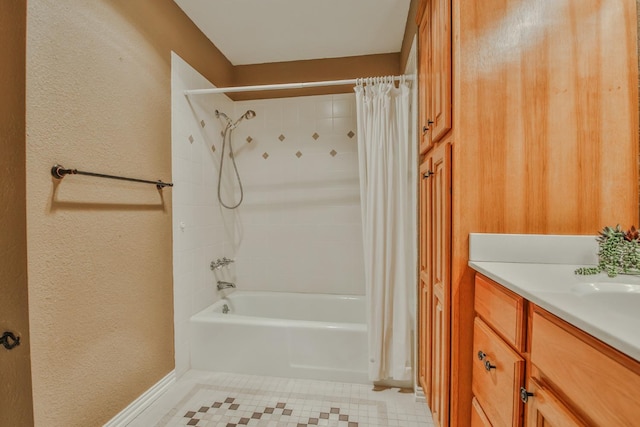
[224,285]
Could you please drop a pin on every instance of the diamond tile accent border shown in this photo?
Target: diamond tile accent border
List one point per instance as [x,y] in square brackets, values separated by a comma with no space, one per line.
[333,153]
[336,416]
[202,123]
[206,398]
[191,139]
[213,148]
[298,154]
[351,134]
[265,155]
[281,137]
[315,136]
[249,139]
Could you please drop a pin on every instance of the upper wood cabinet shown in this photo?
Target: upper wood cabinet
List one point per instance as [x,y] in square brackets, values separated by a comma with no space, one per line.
[434,69]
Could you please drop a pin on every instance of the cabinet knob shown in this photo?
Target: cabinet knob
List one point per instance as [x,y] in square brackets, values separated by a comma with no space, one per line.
[524,395]
[427,174]
[426,128]
[481,355]
[488,366]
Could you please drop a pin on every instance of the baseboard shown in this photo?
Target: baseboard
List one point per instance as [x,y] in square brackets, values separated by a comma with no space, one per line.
[142,402]
[419,395]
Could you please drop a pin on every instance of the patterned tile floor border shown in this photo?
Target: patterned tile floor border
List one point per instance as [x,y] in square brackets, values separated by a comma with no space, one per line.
[233,400]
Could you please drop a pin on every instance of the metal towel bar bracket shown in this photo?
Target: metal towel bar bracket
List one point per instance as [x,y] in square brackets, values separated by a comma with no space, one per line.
[58,172]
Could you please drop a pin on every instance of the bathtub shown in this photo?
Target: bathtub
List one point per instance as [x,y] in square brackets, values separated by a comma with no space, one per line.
[292,335]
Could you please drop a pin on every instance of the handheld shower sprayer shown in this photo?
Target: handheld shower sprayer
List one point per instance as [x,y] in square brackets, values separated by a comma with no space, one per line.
[249,114]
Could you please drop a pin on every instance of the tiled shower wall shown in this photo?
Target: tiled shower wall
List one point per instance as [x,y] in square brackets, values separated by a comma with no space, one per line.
[202,230]
[299,227]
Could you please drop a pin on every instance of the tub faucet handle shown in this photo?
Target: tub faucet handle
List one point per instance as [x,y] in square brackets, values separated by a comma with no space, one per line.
[224,285]
[219,263]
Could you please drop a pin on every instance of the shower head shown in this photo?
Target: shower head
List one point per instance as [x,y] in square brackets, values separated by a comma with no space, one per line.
[250,114]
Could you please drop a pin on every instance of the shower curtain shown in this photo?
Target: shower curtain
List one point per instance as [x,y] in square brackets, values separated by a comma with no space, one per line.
[385,196]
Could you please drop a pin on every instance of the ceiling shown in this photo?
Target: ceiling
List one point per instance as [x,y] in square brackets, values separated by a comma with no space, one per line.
[263,31]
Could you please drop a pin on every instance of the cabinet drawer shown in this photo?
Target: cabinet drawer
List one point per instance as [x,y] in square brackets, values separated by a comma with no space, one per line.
[502,309]
[598,381]
[497,376]
[478,418]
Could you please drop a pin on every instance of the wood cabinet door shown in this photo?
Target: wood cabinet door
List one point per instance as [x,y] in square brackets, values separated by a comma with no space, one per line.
[440,69]
[425,284]
[424,77]
[544,409]
[439,244]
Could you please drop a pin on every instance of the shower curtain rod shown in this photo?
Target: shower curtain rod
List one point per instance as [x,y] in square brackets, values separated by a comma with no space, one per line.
[281,86]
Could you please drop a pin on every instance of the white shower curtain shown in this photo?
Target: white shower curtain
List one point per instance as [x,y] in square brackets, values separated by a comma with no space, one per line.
[385,196]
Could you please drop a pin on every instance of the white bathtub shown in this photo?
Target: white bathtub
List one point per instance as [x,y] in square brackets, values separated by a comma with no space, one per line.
[292,335]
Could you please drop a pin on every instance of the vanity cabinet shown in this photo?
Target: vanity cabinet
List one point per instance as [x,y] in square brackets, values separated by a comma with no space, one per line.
[532,368]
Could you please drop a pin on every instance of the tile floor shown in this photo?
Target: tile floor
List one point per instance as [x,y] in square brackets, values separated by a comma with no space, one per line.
[233,400]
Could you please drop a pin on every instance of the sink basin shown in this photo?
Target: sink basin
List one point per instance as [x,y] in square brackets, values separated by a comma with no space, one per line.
[624,297]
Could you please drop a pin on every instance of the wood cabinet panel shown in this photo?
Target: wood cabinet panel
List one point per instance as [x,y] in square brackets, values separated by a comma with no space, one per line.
[440,366]
[594,379]
[502,309]
[547,114]
[425,341]
[498,374]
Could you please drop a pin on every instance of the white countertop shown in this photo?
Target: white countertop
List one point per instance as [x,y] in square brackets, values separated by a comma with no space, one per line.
[556,288]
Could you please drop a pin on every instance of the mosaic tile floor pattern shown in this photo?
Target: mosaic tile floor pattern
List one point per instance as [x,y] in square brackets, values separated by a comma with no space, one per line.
[207,399]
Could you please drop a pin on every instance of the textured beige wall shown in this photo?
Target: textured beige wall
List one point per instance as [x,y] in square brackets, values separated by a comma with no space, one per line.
[15,370]
[99,261]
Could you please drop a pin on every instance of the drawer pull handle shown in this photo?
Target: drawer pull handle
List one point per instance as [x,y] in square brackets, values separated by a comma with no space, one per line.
[524,395]
[481,355]
[427,174]
[488,366]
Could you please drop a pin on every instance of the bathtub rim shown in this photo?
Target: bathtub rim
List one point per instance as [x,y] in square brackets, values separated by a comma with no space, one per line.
[208,315]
